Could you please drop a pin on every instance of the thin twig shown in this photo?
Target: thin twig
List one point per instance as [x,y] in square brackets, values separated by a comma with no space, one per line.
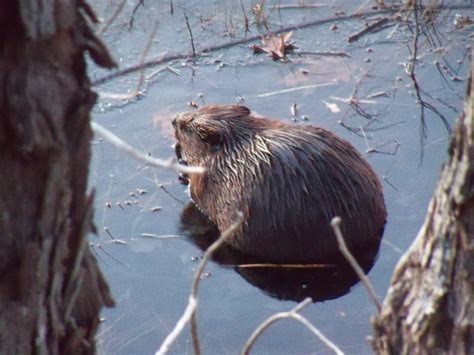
[329,54]
[298,7]
[362,6]
[292,314]
[377,149]
[385,178]
[279,12]
[393,246]
[112,19]
[111,256]
[190,34]
[283,266]
[336,225]
[228,21]
[154,236]
[355,103]
[126,148]
[246,20]
[135,9]
[411,74]
[392,32]
[190,311]
[424,105]
[366,127]
[362,130]
[370,28]
[348,100]
[297,88]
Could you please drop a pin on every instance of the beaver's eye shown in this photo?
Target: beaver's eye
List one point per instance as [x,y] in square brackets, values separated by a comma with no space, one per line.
[185,127]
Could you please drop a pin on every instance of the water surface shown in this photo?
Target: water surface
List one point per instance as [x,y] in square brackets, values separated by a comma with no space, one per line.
[150,277]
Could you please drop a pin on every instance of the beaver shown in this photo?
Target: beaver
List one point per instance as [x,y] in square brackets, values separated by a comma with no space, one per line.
[288,180]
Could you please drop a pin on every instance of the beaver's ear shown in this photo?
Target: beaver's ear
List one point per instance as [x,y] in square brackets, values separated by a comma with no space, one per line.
[244,110]
[238,110]
[211,137]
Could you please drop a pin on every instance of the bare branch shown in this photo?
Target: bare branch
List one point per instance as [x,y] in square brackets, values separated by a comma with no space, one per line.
[126,148]
[190,311]
[197,275]
[410,70]
[411,73]
[190,308]
[336,225]
[292,314]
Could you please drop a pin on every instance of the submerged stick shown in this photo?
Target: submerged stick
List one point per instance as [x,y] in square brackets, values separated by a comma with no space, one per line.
[284,266]
[370,28]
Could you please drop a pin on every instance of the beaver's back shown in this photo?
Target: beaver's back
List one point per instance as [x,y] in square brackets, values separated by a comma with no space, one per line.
[315,176]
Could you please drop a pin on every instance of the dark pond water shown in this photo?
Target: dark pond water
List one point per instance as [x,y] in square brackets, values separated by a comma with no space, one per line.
[151,269]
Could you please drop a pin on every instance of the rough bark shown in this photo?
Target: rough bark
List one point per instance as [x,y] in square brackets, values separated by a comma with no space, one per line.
[51,290]
[429,308]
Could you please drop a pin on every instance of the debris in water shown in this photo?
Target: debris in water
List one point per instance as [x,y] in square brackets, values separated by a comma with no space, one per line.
[277,46]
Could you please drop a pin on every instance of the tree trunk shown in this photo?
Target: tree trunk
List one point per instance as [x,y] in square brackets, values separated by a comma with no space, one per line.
[51,290]
[429,308]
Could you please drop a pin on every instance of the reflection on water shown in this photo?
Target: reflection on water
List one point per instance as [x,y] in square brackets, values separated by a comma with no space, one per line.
[320,281]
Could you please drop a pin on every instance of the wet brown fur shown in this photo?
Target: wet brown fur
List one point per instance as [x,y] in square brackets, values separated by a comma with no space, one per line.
[288,180]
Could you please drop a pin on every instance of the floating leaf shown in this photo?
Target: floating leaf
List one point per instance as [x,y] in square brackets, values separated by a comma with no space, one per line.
[277,46]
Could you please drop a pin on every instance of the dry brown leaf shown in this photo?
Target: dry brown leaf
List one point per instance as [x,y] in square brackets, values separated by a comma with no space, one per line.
[277,46]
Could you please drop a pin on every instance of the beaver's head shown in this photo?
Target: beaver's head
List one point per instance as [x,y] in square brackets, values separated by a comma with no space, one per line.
[203,133]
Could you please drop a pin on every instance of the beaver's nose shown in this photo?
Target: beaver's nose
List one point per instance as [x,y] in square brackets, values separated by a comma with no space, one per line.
[174,123]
